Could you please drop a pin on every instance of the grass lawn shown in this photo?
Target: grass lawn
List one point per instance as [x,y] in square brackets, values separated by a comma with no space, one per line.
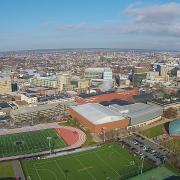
[158,173]
[70,122]
[29,142]
[109,162]
[154,131]
[6,169]
[89,139]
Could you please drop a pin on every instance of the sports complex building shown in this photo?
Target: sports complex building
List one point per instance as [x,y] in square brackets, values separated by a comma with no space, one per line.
[139,114]
[97,117]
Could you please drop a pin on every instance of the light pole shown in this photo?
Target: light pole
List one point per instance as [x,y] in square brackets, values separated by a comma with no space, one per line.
[163,160]
[104,134]
[49,141]
[142,164]
[138,169]
[32,119]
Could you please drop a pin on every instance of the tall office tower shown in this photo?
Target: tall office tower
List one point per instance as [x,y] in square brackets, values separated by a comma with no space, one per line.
[138,74]
[65,80]
[5,85]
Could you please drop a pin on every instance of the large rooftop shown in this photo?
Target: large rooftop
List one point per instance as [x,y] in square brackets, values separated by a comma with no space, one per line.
[97,113]
[115,101]
[84,95]
[98,69]
[4,105]
[138,112]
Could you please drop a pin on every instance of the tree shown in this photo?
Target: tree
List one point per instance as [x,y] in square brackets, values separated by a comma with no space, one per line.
[175,160]
[170,113]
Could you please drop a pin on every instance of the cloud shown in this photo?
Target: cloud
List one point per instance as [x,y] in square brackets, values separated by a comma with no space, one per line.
[163,19]
[160,20]
[163,13]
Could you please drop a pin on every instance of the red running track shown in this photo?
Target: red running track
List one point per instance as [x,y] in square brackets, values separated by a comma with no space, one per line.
[71,137]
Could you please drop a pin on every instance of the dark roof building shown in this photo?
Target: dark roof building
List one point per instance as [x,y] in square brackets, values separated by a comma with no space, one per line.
[143,97]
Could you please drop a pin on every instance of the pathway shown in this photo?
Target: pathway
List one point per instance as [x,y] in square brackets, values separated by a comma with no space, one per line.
[18,170]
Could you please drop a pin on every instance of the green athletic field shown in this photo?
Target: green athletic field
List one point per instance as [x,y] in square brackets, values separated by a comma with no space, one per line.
[6,170]
[154,131]
[109,162]
[29,142]
[155,174]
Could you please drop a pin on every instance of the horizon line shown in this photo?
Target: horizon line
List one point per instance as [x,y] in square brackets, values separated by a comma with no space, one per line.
[57,49]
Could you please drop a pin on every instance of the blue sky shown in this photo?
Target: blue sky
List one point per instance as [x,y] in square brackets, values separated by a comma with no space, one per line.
[36,24]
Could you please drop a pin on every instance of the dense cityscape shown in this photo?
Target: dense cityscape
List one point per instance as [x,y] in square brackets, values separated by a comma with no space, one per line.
[112,96]
[90,113]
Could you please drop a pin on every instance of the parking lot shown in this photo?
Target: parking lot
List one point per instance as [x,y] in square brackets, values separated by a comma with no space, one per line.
[145,149]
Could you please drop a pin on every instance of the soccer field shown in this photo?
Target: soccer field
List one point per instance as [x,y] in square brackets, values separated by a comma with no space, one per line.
[109,162]
[29,142]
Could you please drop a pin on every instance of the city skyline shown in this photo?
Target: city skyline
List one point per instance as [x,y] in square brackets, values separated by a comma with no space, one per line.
[95,24]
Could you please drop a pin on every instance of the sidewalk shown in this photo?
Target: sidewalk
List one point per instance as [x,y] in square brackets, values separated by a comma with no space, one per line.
[18,170]
[164,120]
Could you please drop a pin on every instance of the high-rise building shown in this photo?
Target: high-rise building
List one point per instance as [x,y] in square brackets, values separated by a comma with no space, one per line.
[65,79]
[178,73]
[138,74]
[122,81]
[45,82]
[83,84]
[98,73]
[164,72]
[60,82]
[5,85]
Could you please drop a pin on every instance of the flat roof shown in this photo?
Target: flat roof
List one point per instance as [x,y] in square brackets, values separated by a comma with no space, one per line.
[131,108]
[98,69]
[4,105]
[84,95]
[97,113]
[138,112]
[27,110]
[29,95]
[115,101]
[165,101]
[143,97]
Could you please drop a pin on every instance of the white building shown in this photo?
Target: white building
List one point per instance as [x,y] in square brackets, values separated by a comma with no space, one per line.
[5,85]
[107,74]
[29,98]
[98,73]
[178,73]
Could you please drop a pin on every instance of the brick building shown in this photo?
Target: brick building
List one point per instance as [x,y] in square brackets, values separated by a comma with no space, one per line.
[107,97]
[97,117]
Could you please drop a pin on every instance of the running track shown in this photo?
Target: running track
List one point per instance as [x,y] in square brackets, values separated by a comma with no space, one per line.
[72,136]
